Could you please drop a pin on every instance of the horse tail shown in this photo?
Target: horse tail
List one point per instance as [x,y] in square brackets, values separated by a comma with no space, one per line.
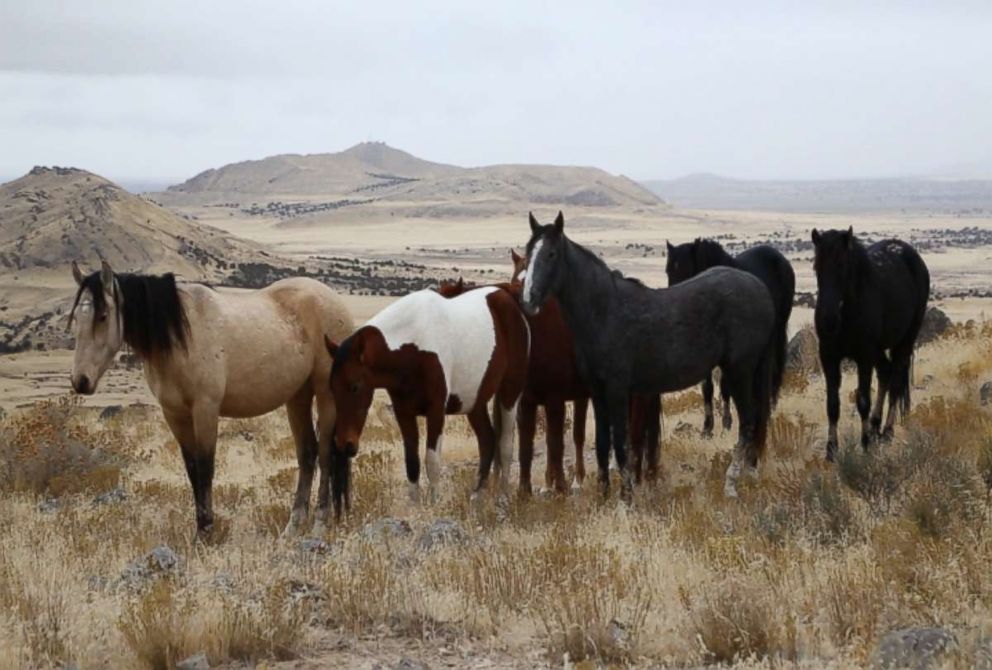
[763,387]
[783,310]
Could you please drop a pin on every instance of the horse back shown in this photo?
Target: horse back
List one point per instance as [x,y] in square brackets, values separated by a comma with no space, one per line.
[902,287]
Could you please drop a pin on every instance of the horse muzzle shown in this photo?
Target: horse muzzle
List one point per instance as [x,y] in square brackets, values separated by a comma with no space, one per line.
[82,385]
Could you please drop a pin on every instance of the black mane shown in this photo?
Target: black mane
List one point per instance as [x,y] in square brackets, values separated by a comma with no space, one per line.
[710,253]
[616,274]
[153,314]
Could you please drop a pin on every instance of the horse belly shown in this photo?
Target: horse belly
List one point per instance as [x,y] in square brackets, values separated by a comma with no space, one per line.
[471,362]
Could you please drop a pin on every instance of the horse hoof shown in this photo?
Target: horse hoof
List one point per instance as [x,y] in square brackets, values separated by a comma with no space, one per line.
[414,492]
[576,485]
[886,436]
[729,490]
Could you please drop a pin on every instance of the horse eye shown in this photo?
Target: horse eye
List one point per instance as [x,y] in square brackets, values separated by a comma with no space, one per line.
[353,388]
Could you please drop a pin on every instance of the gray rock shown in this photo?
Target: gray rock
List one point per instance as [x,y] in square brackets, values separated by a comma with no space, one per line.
[110,412]
[305,591]
[913,648]
[442,532]
[387,527]
[195,662]
[982,659]
[985,393]
[803,351]
[411,664]
[935,323]
[48,505]
[159,562]
[114,495]
[619,636]
[314,546]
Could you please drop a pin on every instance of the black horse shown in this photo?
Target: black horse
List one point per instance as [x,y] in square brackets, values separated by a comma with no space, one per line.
[869,301]
[631,338]
[767,264]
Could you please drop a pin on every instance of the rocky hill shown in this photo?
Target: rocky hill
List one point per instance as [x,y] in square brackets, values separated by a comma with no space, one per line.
[52,216]
[374,173]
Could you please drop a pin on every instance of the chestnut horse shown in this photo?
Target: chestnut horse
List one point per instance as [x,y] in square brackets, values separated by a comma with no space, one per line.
[434,356]
[208,354]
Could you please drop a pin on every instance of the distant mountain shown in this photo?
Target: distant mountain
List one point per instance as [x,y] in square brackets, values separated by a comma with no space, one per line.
[708,191]
[52,216]
[374,173]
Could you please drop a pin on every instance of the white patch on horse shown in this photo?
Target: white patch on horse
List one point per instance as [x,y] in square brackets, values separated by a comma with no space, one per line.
[895,248]
[528,282]
[459,330]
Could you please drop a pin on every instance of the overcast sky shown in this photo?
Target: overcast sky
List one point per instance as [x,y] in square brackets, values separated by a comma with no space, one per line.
[163,90]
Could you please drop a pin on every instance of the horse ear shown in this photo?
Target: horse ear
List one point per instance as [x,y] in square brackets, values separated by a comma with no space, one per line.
[850,237]
[514,256]
[77,274]
[559,222]
[670,247]
[816,236]
[106,275]
[460,284]
[332,348]
[534,225]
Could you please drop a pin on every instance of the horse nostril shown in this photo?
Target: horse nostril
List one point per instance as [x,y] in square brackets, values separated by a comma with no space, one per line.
[83,385]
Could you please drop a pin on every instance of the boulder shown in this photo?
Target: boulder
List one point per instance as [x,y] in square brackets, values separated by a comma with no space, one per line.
[803,352]
[442,532]
[160,561]
[195,662]
[935,324]
[110,412]
[985,393]
[913,648]
[385,528]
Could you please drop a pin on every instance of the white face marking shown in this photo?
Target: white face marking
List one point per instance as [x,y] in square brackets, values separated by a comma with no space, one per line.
[459,330]
[528,283]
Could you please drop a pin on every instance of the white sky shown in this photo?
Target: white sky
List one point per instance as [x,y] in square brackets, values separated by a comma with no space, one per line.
[760,89]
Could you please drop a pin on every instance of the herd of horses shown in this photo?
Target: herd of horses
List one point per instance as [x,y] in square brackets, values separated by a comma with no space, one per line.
[563,328]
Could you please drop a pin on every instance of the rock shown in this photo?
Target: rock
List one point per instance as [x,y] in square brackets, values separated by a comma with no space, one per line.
[803,351]
[985,393]
[195,662]
[300,591]
[982,659]
[913,648]
[935,323]
[315,547]
[411,664]
[159,562]
[684,429]
[387,527]
[48,505]
[110,412]
[223,581]
[114,495]
[619,636]
[442,532]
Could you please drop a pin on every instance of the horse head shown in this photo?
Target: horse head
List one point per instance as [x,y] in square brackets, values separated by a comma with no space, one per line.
[519,266]
[96,316]
[449,288]
[835,267]
[545,263]
[681,263]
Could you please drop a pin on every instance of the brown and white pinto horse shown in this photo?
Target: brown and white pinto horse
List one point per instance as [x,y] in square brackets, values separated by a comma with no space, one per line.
[434,356]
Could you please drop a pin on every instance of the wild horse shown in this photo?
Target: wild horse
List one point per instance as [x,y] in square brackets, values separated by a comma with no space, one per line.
[208,354]
[767,264]
[630,338]
[434,356]
[869,300]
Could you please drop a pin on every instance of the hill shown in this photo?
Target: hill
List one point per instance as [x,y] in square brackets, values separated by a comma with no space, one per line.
[52,216]
[373,174]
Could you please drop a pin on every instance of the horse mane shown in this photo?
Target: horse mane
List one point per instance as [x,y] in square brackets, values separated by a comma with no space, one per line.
[615,274]
[154,318]
[710,253]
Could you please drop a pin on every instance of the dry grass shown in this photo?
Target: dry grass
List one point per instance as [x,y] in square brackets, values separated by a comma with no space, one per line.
[811,565]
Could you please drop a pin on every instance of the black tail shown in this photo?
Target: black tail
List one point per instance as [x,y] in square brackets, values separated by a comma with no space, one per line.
[783,310]
[762,390]
[340,481]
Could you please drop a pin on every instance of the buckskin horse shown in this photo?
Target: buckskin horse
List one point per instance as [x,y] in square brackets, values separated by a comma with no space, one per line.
[434,356]
[767,264]
[869,300]
[208,354]
[631,338]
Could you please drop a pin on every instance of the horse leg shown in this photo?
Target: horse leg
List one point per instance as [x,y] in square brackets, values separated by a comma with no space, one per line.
[638,418]
[883,367]
[619,408]
[726,416]
[579,410]
[406,419]
[181,426]
[740,391]
[708,405]
[602,416]
[482,426]
[527,425]
[554,410]
[435,430]
[504,436]
[205,431]
[326,416]
[899,389]
[300,415]
[653,450]
[863,399]
[831,374]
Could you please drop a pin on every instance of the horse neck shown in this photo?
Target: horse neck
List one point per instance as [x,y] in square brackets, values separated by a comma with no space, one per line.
[714,255]
[863,272]
[581,292]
